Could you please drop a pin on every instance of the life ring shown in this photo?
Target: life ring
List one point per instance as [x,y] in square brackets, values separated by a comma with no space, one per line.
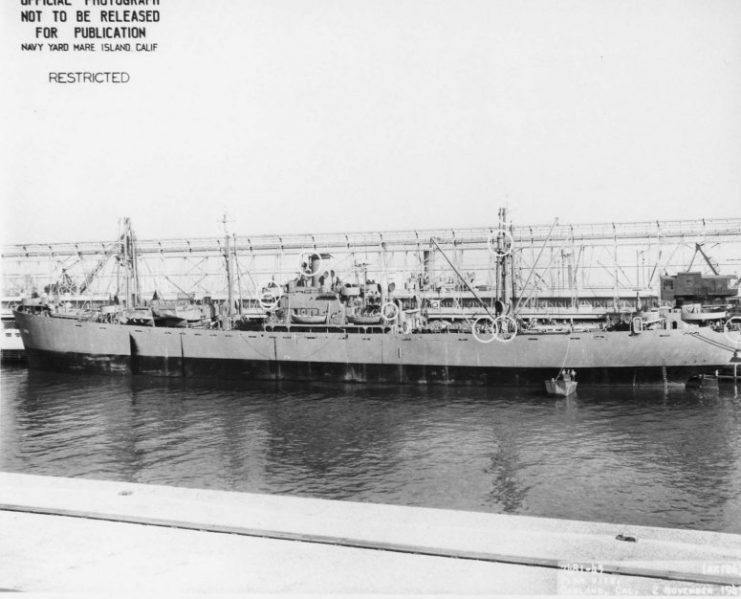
[492,325]
[389,312]
[505,324]
[636,325]
[306,271]
[732,330]
[503,228]
[262,292]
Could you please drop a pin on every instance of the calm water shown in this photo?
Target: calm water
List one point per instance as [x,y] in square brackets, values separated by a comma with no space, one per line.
[653,458]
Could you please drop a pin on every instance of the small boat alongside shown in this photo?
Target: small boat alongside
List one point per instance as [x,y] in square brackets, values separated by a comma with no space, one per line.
[11,344]
[703,382]
[563,385]
[729,374]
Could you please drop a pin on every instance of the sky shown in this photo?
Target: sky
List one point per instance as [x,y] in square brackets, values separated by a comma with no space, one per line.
[296,116]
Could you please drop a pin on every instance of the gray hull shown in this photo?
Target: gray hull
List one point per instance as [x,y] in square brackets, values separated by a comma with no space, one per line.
[651,357]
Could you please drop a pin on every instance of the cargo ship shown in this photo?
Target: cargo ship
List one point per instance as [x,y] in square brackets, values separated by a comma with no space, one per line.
[316,327]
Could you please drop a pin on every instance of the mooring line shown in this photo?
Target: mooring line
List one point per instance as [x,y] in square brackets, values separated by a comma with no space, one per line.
[718,344]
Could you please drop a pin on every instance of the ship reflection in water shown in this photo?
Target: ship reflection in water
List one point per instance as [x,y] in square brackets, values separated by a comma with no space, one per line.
[650,457]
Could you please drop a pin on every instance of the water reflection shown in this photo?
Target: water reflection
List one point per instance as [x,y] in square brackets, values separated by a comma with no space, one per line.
[658,457]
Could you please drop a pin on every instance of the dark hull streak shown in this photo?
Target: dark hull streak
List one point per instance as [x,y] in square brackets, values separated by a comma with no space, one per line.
[13,355]
[347,373]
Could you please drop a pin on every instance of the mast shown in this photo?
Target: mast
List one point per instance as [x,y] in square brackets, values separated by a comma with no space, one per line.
[128,260]
[229,278]
[134,268]
[503,257]
[239,275]
[512,277]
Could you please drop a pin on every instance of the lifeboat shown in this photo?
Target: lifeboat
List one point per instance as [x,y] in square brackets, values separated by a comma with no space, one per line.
[309,318]
[364,319]
[698,313]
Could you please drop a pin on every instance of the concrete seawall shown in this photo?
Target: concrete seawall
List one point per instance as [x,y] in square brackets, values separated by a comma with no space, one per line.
[59,534]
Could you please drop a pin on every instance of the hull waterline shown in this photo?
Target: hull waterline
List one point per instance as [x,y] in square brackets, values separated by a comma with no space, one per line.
[658,357]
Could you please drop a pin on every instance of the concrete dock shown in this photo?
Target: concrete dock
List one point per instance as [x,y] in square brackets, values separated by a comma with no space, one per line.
[78,535]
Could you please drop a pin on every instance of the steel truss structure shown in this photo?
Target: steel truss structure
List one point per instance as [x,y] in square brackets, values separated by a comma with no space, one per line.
[569,263]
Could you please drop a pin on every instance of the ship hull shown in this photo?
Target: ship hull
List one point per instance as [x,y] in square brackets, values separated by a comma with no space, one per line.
[600,358]
[353,373]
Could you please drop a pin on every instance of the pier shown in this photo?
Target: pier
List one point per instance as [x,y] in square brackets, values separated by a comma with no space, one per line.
[78,535]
